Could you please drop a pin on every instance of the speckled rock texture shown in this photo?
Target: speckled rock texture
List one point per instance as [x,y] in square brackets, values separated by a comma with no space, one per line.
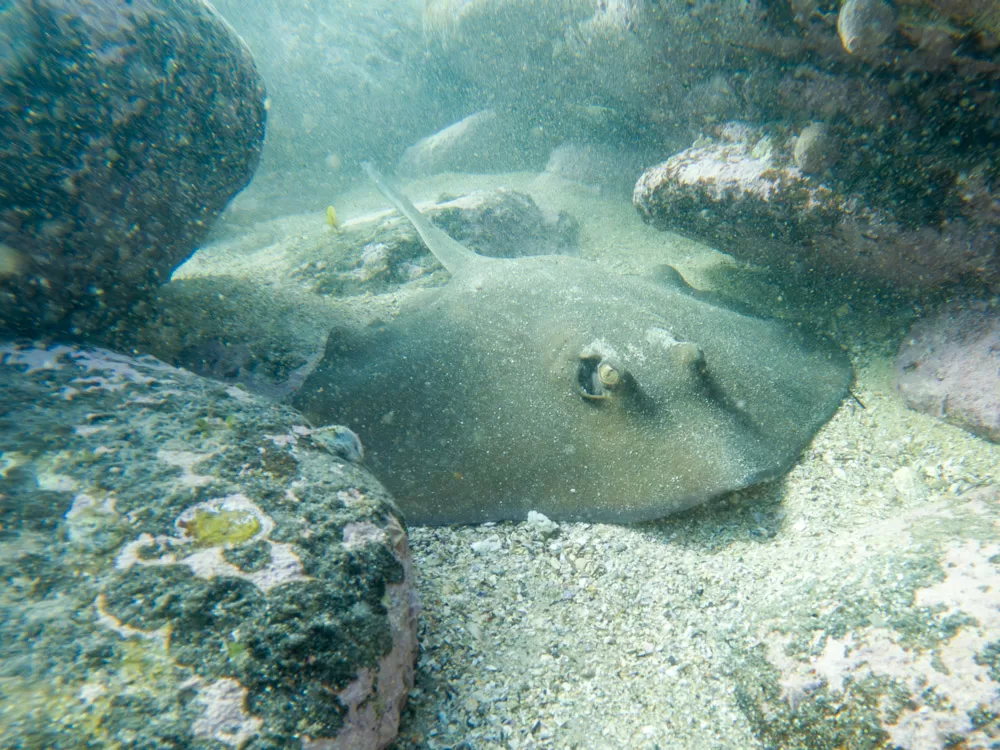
[188,567]
[755,193]
[878,644]
[125,128]
[949,366]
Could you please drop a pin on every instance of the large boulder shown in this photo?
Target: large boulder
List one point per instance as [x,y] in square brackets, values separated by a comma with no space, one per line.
[186,566]
[767,194]
[125,128]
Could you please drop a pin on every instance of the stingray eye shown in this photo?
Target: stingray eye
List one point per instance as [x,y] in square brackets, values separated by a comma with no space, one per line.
[597,378]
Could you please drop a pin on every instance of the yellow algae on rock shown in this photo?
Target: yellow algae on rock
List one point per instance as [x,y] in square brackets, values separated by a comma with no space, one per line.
[12,262]
[213,527]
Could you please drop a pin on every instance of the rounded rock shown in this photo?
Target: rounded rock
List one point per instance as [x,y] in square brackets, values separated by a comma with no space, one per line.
[815,149]
[864,26]
[125,129]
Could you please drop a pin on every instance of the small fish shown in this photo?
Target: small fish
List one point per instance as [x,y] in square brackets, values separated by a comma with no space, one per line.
[331,219]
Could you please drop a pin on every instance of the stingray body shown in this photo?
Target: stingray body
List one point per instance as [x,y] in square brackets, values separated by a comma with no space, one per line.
[550,383]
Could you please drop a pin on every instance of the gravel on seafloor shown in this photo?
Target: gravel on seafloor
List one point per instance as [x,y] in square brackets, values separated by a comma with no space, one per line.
[564,641]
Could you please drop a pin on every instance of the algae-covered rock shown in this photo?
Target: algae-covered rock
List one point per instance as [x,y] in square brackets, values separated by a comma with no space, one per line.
[186,566]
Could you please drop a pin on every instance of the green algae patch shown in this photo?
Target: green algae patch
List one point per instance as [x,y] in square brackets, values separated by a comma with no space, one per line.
[215,527]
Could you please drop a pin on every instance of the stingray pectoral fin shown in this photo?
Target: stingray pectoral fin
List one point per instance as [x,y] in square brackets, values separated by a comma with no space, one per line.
[349,366]
[452,254]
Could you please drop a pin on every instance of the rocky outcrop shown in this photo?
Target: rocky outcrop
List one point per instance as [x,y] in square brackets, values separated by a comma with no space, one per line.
[949,367]
[894,107]
[190,566]
[768,195]
[125,128]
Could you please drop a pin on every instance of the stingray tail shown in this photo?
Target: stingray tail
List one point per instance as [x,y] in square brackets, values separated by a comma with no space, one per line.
[452,254]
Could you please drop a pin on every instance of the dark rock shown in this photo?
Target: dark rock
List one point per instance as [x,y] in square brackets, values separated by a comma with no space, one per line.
[185,566]
[949,366]
[742,191]
[125,127]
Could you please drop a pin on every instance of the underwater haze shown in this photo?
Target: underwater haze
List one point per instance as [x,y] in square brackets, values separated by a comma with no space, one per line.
[500,374]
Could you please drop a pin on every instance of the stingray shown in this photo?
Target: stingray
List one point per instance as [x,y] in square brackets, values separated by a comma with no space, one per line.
[551,383]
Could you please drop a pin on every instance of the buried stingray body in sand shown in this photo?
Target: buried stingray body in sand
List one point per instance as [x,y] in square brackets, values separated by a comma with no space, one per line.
[551,383]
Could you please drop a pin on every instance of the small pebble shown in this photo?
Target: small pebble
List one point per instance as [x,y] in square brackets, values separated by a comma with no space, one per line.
[541,524]
[864,26]
[907,483]
[816,149]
